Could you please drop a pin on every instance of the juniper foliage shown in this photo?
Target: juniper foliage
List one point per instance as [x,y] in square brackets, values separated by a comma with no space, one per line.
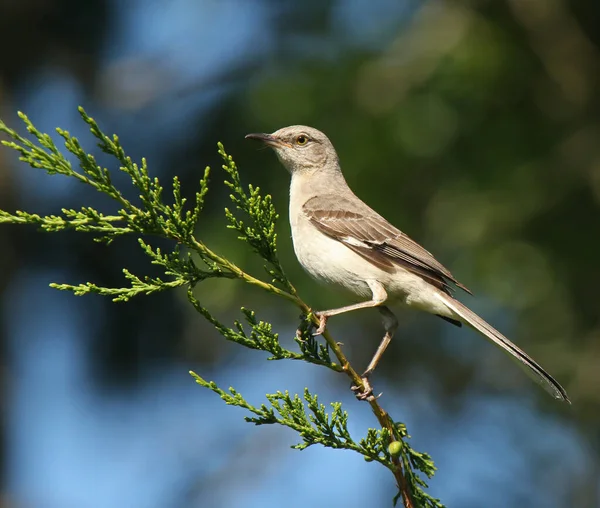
[190,262]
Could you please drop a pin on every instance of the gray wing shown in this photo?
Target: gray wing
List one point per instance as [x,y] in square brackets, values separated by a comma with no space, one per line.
[352,222]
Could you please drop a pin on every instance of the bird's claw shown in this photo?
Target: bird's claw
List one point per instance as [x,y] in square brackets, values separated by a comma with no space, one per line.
[322,324]
[299,334]
[365,392]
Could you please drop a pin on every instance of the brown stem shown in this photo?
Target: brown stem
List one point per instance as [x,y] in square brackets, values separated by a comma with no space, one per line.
[382,417]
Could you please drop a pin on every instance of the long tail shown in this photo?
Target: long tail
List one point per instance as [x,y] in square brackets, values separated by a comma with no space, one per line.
[474,321]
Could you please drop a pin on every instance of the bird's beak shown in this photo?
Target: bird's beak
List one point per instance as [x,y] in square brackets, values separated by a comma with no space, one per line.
[267,139]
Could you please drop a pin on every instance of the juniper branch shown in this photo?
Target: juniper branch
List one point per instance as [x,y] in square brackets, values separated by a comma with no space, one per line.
[192,261]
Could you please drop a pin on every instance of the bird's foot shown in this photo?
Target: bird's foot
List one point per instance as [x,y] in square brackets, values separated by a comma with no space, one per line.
[305,327]
[300,334]
[366,391]
[322,323]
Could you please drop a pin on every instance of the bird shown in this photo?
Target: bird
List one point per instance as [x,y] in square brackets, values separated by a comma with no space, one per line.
[340,240]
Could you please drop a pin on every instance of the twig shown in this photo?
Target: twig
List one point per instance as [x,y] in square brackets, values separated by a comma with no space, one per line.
[382,416]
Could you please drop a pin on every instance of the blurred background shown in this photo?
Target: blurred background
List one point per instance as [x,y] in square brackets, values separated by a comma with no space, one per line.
[473,126]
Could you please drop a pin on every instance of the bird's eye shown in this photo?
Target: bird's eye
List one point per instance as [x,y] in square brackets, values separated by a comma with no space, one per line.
[301,140]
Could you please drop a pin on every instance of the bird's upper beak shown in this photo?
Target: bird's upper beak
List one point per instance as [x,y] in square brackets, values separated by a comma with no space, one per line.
[267,139]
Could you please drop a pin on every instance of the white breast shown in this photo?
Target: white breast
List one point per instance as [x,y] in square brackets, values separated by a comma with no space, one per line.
[325,259]
[330,261]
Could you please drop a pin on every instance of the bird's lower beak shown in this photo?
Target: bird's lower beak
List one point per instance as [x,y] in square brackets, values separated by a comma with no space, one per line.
[267,139]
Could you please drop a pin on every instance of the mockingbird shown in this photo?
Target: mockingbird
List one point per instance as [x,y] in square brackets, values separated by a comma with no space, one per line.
[338,239]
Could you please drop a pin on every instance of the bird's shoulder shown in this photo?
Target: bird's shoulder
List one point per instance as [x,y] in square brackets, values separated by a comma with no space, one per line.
[348,215]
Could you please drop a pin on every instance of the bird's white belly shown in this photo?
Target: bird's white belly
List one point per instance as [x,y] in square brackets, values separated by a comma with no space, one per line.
[330,261]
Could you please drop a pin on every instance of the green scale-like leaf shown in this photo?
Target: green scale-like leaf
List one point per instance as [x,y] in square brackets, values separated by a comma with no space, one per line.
[190,262]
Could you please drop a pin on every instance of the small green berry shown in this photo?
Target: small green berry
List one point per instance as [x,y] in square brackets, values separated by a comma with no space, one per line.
[395,448]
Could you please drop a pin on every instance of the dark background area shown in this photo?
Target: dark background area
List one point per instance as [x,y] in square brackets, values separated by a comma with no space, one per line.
[473,126]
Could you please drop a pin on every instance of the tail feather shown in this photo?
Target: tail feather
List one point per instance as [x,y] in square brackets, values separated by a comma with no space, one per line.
[474,321]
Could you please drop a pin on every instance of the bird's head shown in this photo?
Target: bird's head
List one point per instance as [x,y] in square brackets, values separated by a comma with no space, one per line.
[301,149]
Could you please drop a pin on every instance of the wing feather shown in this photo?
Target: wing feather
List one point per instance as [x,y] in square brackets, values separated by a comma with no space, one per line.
[363,230]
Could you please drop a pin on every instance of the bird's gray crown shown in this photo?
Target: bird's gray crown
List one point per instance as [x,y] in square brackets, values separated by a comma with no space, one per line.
[301,149]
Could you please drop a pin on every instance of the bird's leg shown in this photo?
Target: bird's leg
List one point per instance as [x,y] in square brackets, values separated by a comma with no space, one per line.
[379,296]
[324,315]
[390,324]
